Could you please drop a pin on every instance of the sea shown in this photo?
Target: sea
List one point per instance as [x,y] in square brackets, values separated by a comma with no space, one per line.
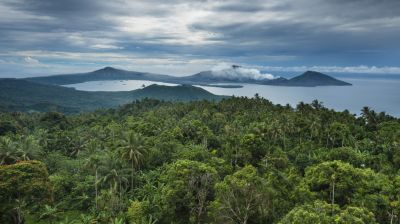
[380,94]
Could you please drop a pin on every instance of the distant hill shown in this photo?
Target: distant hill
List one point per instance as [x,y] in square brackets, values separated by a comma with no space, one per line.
[307,79]
[312,78]
[107,73]
[24,95]
[208,77]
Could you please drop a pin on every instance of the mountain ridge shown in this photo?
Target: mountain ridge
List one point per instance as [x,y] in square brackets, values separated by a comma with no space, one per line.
[307,79]
[313,78]
[106,73]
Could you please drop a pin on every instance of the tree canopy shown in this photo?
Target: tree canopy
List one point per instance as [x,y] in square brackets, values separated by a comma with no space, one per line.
[237,160]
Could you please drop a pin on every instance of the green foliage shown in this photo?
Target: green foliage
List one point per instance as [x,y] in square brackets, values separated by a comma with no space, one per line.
[23,185]
[341,183]
[324,213]
[135,212]
[317,212]
[23,95]
[345,154]
[355,215]
[7,127]
[187,190]
[238,160]
[240,197]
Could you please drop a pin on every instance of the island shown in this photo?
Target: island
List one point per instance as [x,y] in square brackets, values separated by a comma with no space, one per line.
[204,78]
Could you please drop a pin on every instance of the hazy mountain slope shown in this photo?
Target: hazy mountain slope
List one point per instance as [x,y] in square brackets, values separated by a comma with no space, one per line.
[207,77]
[175,93]
[307,79]
[23,95]
[107,73]
[202,78]
[312,78]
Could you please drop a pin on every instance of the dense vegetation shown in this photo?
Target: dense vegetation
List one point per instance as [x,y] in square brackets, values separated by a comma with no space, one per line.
[27,96]
[238,160]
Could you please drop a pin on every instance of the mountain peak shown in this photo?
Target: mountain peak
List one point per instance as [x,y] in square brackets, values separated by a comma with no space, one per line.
[313,78]
[107,69]
[313,73]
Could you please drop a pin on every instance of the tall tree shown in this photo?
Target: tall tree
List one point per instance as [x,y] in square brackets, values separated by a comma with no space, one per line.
[8,151]
[22,185]
[238,197]
[28,148]
[93,163]
[187,190]
[133,148]
[321,212]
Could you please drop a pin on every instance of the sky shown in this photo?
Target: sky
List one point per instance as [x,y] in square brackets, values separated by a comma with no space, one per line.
[182,37]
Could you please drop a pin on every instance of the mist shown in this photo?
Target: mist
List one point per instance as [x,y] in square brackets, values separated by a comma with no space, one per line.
[237,72]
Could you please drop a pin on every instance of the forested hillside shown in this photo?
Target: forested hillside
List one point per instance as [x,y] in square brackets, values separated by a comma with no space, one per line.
[238,160]
[27,96]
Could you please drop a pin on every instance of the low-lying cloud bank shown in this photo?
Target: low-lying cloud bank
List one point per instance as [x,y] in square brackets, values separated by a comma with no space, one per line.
[228,70]
[39,63]
[238,72]
[335,69]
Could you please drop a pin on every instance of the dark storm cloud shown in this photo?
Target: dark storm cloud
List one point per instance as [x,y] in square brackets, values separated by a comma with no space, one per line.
[312,28]
[198,33]
[71,15]
[58,7]
[319,23]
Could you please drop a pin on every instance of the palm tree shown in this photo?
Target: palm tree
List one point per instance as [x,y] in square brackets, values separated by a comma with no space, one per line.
[115,180]
[133,149]
[87,219]
[28,148]
[149,220]
[42,136]
[8,151]
[50,213]
[315,127]
[78,146]
[113,129]
[92,146]
[232,143]
[68,221]
[94,162]
[301,106]
[115,174]
[98,132]
[365,111]
[117,221]
[204,133]
[369,116]
[316,104]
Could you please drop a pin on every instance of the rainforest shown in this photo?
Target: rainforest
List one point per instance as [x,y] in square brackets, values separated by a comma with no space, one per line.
[236,160]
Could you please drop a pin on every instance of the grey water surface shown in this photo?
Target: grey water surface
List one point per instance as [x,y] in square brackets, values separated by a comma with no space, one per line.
[379,94]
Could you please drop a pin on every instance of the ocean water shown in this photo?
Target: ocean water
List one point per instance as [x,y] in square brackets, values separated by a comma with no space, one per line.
[379,94]
[115,85]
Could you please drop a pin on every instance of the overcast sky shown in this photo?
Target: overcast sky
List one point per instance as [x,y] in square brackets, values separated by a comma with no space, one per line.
[181,37]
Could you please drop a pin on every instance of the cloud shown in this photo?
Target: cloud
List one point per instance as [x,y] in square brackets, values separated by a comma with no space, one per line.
[31,61]
[58,62]
[277,33]
[336,69]
[81,40]
[237,72]
[105,46]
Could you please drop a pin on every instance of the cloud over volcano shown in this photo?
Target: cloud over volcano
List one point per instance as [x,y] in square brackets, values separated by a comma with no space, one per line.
[238,72]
